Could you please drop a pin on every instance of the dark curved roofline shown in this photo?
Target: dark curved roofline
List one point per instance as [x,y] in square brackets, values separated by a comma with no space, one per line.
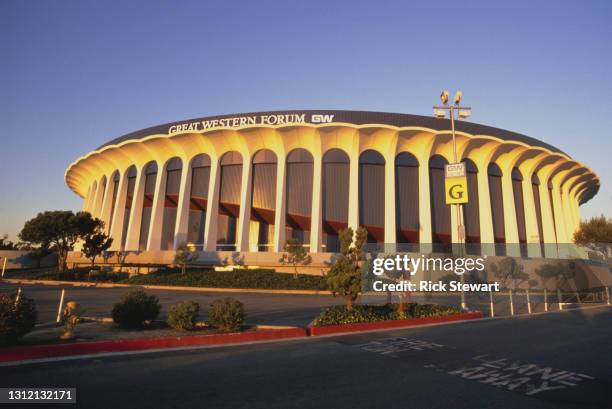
[360,118]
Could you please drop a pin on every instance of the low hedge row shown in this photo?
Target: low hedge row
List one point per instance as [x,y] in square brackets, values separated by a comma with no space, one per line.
[73,274]
[242,278]
[194,277]
[337,315]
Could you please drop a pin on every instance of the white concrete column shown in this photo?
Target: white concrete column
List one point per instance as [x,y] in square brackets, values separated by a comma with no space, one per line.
[548,227]
[575,210]
[184,199]
[107,202]
[97,203]
[316,218]
[510,224]
[242,236]
[353,199]
[212,206]
[132,241]
[568,215]
[487,239]
[425,233]
[86,199]
[570,223]
[562,239]
[116,231]
[280,208]
[157,211]
[531,220]
[390,211]
[92,197]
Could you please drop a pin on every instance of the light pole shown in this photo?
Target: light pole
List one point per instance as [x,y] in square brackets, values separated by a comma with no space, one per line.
[463,112]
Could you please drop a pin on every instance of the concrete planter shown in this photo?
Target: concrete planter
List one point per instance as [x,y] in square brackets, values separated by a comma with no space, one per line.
[368,326]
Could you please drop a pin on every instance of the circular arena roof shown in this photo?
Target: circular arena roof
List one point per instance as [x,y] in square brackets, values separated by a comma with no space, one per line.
[350,117]
[104,160]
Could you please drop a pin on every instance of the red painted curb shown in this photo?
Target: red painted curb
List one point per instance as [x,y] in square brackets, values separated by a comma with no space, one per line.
[365,326]
[80,348]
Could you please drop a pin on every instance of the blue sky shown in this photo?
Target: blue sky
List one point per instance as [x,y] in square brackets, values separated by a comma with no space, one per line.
[75,74]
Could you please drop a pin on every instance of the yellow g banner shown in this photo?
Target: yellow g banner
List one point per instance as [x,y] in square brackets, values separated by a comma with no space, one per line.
[456,190]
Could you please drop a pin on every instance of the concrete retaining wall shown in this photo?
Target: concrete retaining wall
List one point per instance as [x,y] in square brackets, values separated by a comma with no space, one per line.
[21,259]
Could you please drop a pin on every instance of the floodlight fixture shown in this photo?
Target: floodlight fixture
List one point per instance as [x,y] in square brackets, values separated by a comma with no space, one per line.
[458,96]
[444,97]
[464,113]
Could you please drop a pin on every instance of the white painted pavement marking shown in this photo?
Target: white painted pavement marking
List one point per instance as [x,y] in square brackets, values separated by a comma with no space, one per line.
[528,378]
[398,344]
[504,373]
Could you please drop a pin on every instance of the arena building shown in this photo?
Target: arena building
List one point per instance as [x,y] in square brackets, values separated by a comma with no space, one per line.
[244,183]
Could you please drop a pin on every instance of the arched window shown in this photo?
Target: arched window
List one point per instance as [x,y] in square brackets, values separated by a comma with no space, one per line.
[229,200]
[519,207]
[336,169]
[372,195]
[407,198]
[173,185]
[198,198]
[299,194]
[131,184]
[263,199]
[471,210]
[147,204]
[440,211]
[114,187]
[497,208]
[535,188]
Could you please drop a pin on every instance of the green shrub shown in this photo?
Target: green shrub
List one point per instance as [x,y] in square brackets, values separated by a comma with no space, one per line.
[373,313]
[226,314]
[136,309]
[183,316]
[16,319]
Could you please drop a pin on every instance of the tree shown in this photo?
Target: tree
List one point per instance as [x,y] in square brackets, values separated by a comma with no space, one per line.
[344,277]
[508,269]
[96,243]
[59,229]
[295,254]
[559,270]
[595,234]
[6,244]
[185,254]
[38,254]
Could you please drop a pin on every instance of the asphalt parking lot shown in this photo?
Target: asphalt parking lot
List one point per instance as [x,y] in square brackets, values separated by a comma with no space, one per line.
[271,309]
[268,309]
[555,360]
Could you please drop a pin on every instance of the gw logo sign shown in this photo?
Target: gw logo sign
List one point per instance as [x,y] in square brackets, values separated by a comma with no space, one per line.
[321,119]
[455,184]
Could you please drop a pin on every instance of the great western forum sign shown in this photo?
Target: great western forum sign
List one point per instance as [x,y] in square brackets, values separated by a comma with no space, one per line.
[246,120]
